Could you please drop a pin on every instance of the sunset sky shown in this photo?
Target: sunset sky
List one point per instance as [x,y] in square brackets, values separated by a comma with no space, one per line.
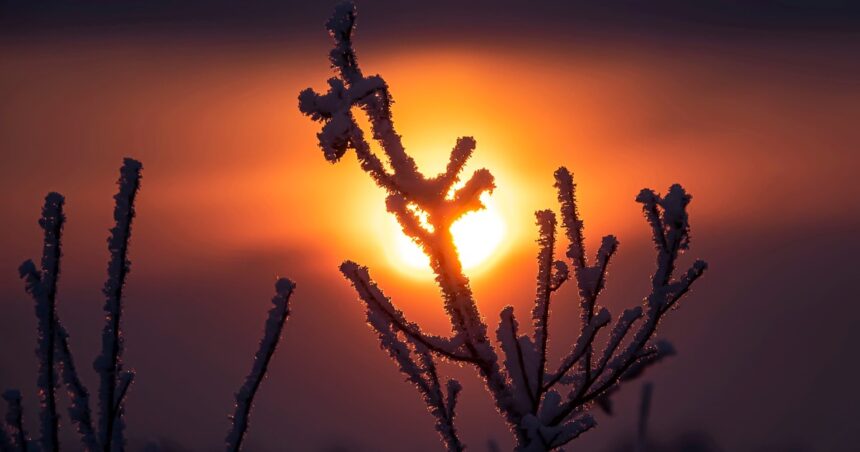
[753,109]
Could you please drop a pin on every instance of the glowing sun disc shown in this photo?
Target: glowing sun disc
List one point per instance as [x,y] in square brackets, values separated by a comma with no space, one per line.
[476,235]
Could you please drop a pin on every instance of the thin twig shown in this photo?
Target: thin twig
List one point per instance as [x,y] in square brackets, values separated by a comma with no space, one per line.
[245,397]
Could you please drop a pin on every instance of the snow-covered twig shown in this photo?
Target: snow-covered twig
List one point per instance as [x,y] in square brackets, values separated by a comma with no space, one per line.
[245,397]
[524,391]
[79,409]
[5,441]
[407,187]
[109,363]
[14,425]
[378,304]
[42,286]
[412,353]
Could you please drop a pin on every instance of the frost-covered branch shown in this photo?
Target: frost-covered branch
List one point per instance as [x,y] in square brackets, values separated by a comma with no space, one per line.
[16,436]
[590,278]
[378,305]
[79,409]
[545,286]
[520,361]
[42,286]
[109,363]
[669,222]
[526,394]
[581,347]
[245,397]
[410,349]
[6,442]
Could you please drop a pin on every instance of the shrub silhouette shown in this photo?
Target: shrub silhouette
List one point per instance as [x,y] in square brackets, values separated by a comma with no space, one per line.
[55,357]
[544,406]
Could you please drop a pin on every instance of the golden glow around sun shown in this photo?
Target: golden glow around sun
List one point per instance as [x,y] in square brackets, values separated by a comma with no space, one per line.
[476,235]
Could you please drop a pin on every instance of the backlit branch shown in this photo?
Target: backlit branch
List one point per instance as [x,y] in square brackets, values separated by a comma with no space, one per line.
[42,286]
[410,349]
[271,336]
[17,438]
[55,356]
[378,305]
[546,284]
[109,363]
[79,409]
[526,394]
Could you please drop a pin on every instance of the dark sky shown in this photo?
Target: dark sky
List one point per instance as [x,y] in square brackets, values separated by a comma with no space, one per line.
[491,19]
[753,106]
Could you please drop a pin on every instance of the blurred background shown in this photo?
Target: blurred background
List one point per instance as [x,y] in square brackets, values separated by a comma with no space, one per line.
[753,107]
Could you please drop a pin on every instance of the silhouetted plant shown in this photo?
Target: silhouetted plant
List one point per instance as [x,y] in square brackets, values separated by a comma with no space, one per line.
[526,392]
[271,335]
[55,356]
[113,381]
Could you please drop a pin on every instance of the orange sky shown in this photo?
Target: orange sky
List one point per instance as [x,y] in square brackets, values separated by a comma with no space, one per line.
[224,138]
[763,136]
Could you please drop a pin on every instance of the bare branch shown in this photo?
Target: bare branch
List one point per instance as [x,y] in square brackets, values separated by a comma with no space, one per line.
[583,343]
[409,221]
[517,364]
[619,331]
[14,424]
[441,407]
[79,409]
[272,334]
[545,282]
[523,391]
[453,390]
[378,304]
[559,276]
[420,369]
[468,198]
[570,216]
[590,279]
[42,286]
[552,437]
[109,363]
[680,288]
[459,156]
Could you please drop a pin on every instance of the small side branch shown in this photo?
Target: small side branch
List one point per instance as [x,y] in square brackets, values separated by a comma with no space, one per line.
[579,350]
[590,279]
[520,361]
[545,286]
[619,331]
[459,156]
[410,349]
[245,397]
[378,304]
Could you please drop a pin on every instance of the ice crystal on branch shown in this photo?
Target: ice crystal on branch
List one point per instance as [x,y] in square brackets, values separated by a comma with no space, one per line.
[545,409]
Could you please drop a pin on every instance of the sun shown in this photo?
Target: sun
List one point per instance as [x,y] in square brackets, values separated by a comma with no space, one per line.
[477,235]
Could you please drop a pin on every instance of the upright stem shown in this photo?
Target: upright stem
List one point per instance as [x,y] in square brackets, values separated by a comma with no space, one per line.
[109,363]
[245,397]
[43,286]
